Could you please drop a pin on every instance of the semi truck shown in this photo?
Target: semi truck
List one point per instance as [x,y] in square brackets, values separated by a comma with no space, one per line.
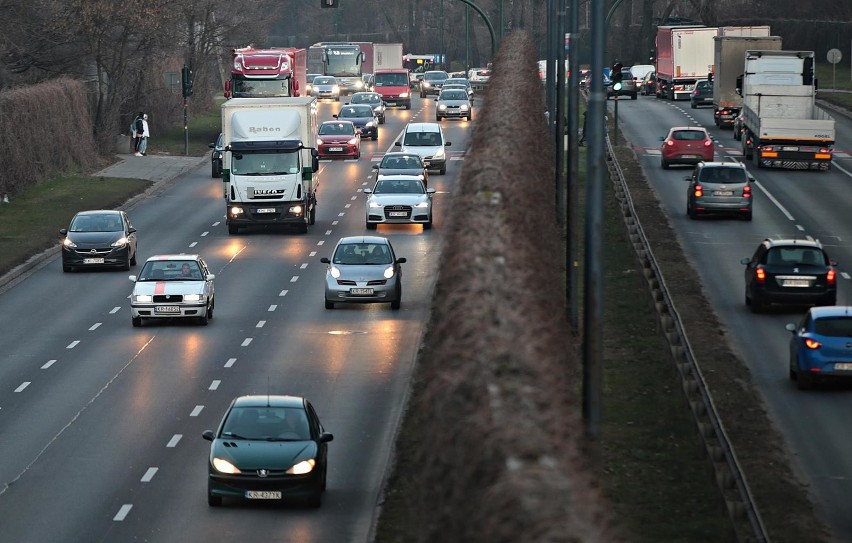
[782,127]
[257,73]
[343,60]
[729,54]
[270,162]
[684,56]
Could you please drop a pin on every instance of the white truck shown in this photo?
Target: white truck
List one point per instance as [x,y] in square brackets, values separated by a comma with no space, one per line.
[387,56]
[729,54]
[782,127]
[684,56]
[270,162]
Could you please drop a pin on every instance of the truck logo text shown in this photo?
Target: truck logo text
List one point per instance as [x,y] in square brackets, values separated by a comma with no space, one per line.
[262,129]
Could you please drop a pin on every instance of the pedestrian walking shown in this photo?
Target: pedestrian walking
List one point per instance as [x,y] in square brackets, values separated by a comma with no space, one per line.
[142,135]
[133,133]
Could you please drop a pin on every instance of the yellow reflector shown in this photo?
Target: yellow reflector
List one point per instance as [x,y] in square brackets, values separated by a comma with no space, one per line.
[767,154]
[826,156]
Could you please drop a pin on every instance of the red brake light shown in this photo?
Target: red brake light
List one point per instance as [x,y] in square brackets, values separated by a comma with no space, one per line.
[699,191]
[831,277]
[669,142]
[760,274]
[812,343]
[747,191]
[768,148]
[708,142]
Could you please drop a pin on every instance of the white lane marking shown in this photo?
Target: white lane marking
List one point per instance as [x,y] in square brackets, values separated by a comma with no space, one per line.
[774,201]
[95,326]
[303,266]
[842,169]
[283,293]
[273,307]
[328,232]
[844,275]
[215,223]
[204,234]
[215,384]
[48,364]
[246,342]
[341,214]
[122,512]
[260,324]
[193,244]
[355,197]
[294,278]
[115,310]
[230,362]
[800,227]
[322,241]
[333,223]
[149,475]
[73,344]
[22,386]
[174,441]
[347,206]
[312,253]
[196,410]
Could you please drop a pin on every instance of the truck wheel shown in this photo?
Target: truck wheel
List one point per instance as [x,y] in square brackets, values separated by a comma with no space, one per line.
[371,226]
[312,215]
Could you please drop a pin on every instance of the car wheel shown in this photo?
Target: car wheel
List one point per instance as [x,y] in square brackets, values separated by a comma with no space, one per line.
[66,268]
[831,301]
[329,305]
[376,136]
[428,225]
[664,164]
[633,96]
[358,155]
[408,106]
[371,226]
[443,170]
[213,172]
[126,266]
[692,105]
[794,375]
[213,500]
[136,321]
[233,229]
[203,319]
[804,380]
[210,310]
[312,215]
[747,216]
[396,304]
[689,212]
[437,117]
[468,117]
[382,120]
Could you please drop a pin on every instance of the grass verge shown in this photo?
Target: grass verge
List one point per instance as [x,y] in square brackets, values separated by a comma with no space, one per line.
[203,128]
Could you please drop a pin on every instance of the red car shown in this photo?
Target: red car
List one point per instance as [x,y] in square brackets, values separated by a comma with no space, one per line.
[686,145]
[338,138]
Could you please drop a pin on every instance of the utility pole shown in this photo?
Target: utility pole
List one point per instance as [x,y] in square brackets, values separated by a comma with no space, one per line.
[466,40]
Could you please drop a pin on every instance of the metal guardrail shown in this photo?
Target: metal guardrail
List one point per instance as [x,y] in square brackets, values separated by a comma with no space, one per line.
[730,478]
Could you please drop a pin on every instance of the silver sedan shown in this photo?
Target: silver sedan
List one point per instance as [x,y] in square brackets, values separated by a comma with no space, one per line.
[363,270]
[453,102]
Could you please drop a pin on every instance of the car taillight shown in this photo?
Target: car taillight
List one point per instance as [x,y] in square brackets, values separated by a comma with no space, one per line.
[760,274]
[748,141]
[708,143]
[812,343]
[831,277]
[698,192]
[695,93]
[670,143]
[747,191]
[768,148]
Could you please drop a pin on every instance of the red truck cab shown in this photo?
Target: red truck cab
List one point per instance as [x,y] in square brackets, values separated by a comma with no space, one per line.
[394,86]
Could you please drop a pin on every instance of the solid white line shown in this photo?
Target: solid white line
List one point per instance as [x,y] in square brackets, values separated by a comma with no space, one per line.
[204,234]
[22,386]
[195,412]
[174,441]
[149,475]
[294,278]
[73,344]
[260,324]
[273,307]
[774,201]
[230,362]
[122,513]
[115,310]
[94,326]
[48,364]
[193,244]
[303,266]
[246,342]
[283,293]
[215,384]
[836,165]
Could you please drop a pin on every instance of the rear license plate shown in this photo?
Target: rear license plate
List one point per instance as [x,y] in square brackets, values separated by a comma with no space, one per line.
[167,309]
[397,214]
[93,261]
[795,283]
[266,210]
[691,156]
[335,149]
[263,494]
[844,366]
[723,193]
[361,291]
[789,148]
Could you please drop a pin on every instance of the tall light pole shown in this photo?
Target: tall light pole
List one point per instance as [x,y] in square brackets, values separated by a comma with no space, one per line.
[441,47]
[466,40]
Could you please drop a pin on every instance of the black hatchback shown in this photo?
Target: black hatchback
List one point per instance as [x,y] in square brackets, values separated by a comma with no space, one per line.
[789,271]
[98,238]
[702,95]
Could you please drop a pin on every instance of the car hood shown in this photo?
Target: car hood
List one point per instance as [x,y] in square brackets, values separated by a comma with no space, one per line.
[336,138]
[366,272]
[360,122]
[94,239]
[168,287]
[398,199]
[454,102]
[247,454]
[423,150]
[400,171]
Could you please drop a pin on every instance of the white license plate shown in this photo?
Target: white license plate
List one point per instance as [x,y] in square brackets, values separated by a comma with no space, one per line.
[361,291]
[723,193]
[335,149]
[93,261]
[263,494]
[266,210]
[843,367]
[795,283]
[167,309]
[789,148]
[397,214]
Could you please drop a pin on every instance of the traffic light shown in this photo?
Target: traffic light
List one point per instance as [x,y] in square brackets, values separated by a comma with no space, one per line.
[329,3]
[186,81]
[615,75]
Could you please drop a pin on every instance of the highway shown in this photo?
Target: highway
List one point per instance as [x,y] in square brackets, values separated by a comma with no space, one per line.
[787,204]
[101,422]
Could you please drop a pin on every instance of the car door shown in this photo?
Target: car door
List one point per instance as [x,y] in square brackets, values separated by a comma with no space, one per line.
[129,232]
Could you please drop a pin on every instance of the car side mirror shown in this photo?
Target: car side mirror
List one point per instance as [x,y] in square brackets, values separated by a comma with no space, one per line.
[745,260]
[401,260]
[211,277]
[447,144]
[368,191]
[314,160]
[131,230]
[211,145]
[325,437]
[436,98]
[132,278]
[430,191]
[375,166]
[335,115]
[208,435]
[791,327]
[63,232]
[833,263]
[325,260]
[397,144]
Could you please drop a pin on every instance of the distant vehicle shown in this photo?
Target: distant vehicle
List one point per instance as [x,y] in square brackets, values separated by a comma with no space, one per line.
[640,72]
[702,94]
[309,85]
[456,81]
[372,99]
[426,140]
[686,145]
[259,73]
[98,238]
[338,138]
[479,78]
[393,86]
[173,286]
[363,270]
[719,187]
[368,81]
[432,82]
[628,86]
[399,199]
[649,84]
[819,346]
[791,272]
[218,147]
[397,163]
[453,103]
[325,87]
[268,447]
[363,117]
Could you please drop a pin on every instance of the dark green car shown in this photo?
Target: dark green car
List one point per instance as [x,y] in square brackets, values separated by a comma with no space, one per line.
[268,448]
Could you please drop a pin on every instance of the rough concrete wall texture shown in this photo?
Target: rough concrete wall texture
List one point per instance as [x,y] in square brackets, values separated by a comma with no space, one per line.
[502,444]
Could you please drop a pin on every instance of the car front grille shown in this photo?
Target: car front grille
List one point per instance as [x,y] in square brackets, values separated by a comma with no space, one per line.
[396,209]
[167,298]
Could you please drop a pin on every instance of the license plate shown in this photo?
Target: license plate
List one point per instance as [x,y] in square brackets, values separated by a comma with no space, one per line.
[335,149]
[789,148]
[93,261]
[266,210]
[263,494]
[397,214]
[167,309]
[690,156]
[361,291]
[723,193]
[795,283]
[843,367]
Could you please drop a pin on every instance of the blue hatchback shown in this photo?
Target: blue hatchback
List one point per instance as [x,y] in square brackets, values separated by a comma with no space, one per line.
[821,346]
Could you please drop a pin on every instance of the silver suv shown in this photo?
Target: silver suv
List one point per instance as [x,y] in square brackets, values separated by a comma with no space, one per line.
[719,187]
[628,86]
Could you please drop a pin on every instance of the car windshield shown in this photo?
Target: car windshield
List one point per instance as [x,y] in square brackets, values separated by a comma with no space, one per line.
[416,139]
[795,256]
[344,129]
[834,326]
[366,99]
[408,162]
[723,175]
[457,81]
[391,80]
[170,270]
[267,424]
[435,76]
[359,254]
[268,163]
[454,95]
[324,81]
[356,112]
[107,222]
[689,135]
[703,85]
[399,186]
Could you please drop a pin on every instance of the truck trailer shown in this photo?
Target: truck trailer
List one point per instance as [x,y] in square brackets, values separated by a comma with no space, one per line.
[386,56]
[782,127]
[729,55]
[259,73]
[684,56]
[270,162]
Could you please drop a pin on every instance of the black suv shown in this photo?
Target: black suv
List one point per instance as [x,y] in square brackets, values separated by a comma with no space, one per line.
[702,95]
[432,82]
[789,271]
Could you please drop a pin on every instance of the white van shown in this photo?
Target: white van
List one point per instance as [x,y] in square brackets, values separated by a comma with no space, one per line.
[426,140]
[639,72]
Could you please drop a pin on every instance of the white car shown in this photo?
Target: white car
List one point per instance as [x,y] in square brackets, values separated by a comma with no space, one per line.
[173,286]
[399,199]
[426,140]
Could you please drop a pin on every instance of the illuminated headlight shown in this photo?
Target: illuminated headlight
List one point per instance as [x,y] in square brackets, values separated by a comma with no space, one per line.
[334,271]
[442,107]
[143,298]
[119,242]
[223,466]
[296,210]
[335,88]
[359,85]
[403,95]
[422,205]
[303,467]
[68,243]
[309,87]
[464,107]
[374,204]
[319,142]
[426,84]
[192,297]
[353,141]
[236,210]
[370,124]
[388,272]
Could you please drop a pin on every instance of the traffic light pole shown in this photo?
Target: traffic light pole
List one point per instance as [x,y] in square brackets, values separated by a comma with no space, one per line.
[185,126]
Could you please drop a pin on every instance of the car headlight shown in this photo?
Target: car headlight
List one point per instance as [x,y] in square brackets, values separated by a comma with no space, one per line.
[442,107]
[296,210]
[359,85]
[403,95]
[119,242]
[389,272]
[439,153]
[68,243]
[319,142]
[236,210]
[370,124]
[374,204]
[426,84]
[353,141]
[192,298]
[303,467]
[422,204]
[464,107]
[223,466]
[334,271]
[335,88]
[143,298]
